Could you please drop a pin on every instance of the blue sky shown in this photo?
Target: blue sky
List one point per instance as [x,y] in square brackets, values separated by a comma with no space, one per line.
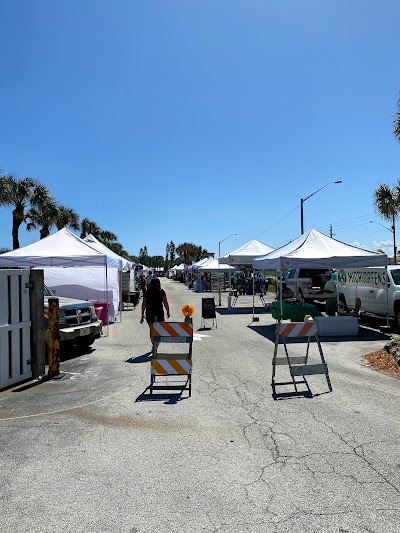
[191,120]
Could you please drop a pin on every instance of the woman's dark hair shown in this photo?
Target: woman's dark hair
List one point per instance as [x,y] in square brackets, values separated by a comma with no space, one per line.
[154,285]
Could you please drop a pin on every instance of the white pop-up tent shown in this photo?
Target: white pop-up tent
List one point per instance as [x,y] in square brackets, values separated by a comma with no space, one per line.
[213,266]
[316,250]
[124,264]
[246,253]
[65,249]
[113,258]
[245,256]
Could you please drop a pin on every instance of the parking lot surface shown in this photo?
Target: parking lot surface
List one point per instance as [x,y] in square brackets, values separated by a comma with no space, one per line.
[93,452]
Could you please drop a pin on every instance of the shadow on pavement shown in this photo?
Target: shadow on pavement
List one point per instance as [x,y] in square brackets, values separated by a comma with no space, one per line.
[69,352]
[364,334]
[240,311]
[168,398]
[145,358]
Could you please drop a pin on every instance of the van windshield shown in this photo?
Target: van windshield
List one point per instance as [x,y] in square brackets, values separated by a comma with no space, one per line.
[396,276]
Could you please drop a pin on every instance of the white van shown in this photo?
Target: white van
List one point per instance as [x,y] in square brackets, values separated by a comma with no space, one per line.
[376,293]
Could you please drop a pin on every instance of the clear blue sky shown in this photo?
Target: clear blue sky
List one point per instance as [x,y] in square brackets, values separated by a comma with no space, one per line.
[191,120]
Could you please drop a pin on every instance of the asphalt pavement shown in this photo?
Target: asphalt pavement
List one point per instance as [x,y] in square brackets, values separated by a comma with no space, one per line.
[93,452]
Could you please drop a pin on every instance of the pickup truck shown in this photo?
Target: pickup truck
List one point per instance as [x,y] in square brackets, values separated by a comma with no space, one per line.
[369,291]
[306,283]
[78,322]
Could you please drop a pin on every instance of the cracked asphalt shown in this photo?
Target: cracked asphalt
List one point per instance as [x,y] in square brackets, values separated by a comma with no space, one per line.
[93,453]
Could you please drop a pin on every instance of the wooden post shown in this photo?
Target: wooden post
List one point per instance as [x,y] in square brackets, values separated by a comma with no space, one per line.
[36,299]
[54,336]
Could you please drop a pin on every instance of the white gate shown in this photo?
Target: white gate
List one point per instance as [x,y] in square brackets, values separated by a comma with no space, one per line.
[15,349]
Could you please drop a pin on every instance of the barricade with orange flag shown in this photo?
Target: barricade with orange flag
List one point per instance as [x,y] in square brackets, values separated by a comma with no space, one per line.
[298,366]
[172,364]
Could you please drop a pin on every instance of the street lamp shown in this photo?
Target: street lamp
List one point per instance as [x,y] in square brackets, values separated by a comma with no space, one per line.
[219,255]
[393,230]
[304,199]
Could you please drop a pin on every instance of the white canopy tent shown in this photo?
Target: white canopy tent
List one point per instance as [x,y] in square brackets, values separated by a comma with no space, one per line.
[246,253]
[214,265]
[124,264]
[316,250]
[201,263]
[65,249]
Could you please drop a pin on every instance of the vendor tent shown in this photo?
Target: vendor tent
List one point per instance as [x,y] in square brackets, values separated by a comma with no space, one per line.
[65,249]
[246,253]
[201,263]
[86,283]
[124,264]
[214,265]
[315,250]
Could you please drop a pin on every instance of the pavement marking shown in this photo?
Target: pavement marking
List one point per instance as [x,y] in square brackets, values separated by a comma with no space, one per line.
[197,336]
[66,409]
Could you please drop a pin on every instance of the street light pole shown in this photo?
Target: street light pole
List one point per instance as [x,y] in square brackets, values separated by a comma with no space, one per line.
[219,256]
[393,230]
[302,200]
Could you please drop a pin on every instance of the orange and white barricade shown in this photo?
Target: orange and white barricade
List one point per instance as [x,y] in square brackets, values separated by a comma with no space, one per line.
[298,366]
[172,364]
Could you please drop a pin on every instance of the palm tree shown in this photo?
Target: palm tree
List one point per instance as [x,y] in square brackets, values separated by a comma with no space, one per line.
[117,248]
[188,250]
[201,253]
[43,218]
[21,194]
[107,237]
[67,217]
[88,227]
[387,205]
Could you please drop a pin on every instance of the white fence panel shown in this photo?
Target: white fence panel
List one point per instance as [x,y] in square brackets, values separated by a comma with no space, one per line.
[15,347]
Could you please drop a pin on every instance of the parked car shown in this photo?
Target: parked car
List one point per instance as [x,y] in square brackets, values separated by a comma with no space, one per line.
[78,322]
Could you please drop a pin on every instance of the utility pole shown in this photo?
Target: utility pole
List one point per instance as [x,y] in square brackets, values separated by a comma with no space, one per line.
[331,232]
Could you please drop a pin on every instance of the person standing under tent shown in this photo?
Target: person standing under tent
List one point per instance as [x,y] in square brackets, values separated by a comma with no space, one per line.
[330,294]
[153,304]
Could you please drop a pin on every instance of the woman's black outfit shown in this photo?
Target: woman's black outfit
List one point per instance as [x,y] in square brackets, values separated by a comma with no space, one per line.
[154,305]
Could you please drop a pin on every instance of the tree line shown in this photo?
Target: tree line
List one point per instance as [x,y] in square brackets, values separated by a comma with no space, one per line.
[33,205]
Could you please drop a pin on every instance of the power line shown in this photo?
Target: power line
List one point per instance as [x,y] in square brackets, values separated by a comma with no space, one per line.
[279,221]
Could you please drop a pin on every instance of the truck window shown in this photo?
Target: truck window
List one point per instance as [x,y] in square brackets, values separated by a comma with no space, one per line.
[48,292]
[396,276]
[290,274]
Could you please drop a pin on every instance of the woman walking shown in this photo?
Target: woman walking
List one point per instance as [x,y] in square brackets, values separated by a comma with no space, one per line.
[153,304]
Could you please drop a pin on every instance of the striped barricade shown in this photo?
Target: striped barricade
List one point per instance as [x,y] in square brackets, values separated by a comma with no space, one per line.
[171,364]
[298,329]
[298,366]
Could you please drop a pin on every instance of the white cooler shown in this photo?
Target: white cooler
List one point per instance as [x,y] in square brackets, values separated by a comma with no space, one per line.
[336,326]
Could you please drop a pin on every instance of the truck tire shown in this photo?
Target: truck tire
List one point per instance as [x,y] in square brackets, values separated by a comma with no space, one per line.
[85,342]
[397,316]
